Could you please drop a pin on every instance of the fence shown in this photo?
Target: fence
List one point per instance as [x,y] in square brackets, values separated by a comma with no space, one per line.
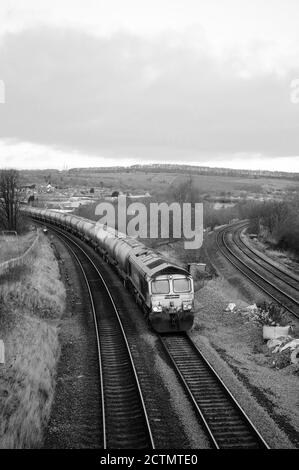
[11,263]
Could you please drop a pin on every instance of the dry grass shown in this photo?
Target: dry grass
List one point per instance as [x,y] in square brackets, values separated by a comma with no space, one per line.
[239,341]
[32,301]
[153,182]
[287,258]
[39,290]
[12,247]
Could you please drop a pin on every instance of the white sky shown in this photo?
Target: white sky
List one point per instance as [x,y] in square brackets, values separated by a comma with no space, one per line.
[159,62]
[228,23]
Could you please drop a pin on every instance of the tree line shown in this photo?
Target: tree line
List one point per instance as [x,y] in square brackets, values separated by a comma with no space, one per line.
[276,221]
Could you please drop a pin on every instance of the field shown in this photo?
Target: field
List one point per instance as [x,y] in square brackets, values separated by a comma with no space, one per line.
[225,196]
[157,182]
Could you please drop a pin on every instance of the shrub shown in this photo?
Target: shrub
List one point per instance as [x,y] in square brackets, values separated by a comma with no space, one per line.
[275,220]
[271,314]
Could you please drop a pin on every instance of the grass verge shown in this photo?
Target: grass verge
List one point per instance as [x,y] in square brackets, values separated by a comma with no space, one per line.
[12,247]
[32,299]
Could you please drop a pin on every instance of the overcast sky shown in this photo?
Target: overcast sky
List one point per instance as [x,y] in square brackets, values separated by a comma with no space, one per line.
[91,82]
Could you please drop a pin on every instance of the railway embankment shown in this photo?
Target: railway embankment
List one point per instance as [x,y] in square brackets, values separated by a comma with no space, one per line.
[13,246]
[234,344]
[32,300]
[282,258]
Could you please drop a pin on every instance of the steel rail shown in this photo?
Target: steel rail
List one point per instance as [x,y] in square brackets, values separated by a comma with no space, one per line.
[62,235]
[227,424]
[233,256]
[282,274]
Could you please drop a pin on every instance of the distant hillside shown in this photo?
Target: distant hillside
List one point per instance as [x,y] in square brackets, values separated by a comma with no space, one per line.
[199,170]
[155,178]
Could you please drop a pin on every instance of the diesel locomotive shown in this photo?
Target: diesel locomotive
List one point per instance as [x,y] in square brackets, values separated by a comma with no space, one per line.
[164,291]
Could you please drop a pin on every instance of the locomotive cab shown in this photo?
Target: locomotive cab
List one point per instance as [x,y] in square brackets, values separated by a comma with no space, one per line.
[171,302]
[164,290]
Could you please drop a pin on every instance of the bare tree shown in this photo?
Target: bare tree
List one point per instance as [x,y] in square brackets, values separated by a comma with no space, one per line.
[9,199]
[183,190]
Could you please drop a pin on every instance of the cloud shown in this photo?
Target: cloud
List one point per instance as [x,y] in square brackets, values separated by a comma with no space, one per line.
[125,96]
[28,155]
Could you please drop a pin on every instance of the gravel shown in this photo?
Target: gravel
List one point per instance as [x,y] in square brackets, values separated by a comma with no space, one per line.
[233,345]
[74,420]
[237,351]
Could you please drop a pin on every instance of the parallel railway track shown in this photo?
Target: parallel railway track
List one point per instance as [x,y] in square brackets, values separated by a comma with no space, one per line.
[124,417]
[125,424]
[226,423]
[280,273]
[263,276]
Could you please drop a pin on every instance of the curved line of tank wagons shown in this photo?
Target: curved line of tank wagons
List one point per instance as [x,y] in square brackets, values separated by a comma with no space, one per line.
[136,264]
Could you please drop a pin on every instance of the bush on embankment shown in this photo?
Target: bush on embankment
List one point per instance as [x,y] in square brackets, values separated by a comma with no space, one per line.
[276,221]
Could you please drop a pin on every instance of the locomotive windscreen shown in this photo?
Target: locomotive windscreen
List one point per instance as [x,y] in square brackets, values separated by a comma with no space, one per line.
[160,286]
[181,285]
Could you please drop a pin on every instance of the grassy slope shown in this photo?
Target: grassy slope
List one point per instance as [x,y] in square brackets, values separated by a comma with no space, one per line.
[12,247]
[32,299]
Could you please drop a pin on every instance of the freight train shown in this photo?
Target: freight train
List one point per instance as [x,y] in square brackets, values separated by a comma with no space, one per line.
[164,291]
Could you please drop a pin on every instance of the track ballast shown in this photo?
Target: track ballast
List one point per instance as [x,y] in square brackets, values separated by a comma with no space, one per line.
[265,278]
[226,423]
[124,418]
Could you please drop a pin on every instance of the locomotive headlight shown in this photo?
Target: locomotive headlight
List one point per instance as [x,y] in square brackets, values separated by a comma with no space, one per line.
[157,308]
[187,306]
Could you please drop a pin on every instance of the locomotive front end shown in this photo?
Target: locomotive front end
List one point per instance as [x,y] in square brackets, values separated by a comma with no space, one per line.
[172,299]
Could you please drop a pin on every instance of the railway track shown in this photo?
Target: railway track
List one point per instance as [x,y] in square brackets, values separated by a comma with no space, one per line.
[226,423]
[282,274]
[124,417]
[265,276]
[125,424]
